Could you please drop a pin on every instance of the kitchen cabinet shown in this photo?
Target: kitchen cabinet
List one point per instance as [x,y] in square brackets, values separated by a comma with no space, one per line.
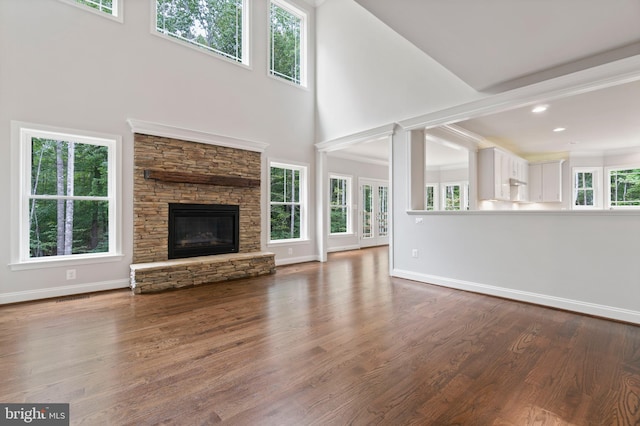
[545,182]
[499,172]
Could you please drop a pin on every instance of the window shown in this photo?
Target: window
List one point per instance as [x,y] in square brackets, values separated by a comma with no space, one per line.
[452,197]
[340,204]
[287,43]
[287,202]
[383,211]
[455,196]
[431,197]
[68,195]
[586,188]
[624,187]
[218,26]
[107,8]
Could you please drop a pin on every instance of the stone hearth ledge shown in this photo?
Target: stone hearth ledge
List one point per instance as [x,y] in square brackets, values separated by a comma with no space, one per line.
[178,273]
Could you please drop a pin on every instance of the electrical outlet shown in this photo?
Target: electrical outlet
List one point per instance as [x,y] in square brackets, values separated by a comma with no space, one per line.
[418,220]
[71,274]
[414,253]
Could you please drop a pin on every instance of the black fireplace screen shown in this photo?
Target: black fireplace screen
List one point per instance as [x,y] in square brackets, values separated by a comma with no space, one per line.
[203,229]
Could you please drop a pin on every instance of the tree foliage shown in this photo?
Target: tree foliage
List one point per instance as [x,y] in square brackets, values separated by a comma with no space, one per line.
[101,5]
[625,187]
[59,224]
[212,24]
[285,44]
[285,203]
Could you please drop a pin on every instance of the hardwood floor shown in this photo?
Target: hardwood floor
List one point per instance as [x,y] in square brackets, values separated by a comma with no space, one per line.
[319,344]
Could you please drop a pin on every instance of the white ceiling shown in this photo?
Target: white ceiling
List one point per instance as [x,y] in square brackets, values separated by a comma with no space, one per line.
[498,45]
[598,121]
[494,45]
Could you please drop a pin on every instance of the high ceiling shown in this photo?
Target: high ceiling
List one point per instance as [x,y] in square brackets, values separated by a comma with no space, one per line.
[499,45]
[494,45]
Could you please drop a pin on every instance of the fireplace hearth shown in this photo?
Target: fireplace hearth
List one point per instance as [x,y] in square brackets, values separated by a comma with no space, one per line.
[203,229]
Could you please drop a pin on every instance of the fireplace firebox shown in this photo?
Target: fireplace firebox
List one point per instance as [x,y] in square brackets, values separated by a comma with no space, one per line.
[203,229]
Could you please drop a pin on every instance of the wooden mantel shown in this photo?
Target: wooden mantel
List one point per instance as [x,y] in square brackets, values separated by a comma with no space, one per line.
[200,178]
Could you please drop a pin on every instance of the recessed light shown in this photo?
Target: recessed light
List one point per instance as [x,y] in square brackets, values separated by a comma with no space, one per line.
[574,143]
[559,129]
[540,108]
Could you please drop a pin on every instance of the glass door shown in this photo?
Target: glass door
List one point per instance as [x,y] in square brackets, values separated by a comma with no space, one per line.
[374,213]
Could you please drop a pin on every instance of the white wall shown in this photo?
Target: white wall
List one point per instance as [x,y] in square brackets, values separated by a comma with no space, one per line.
[582,261]
[356,170]
[368,75]
[62,66]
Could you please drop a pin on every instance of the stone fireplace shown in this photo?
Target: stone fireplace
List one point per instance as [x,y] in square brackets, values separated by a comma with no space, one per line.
[189,178]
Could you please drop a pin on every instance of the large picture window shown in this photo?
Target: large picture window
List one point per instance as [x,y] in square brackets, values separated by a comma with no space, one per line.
[218,26]
[624,187]
[340,202]
[287,43]
[287,202]
[68,196]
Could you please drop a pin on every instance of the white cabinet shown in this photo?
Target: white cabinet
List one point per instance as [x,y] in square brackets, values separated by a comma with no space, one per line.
[493,175]
[545,182]
[498,173]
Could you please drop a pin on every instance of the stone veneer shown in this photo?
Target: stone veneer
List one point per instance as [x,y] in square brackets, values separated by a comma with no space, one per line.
[152,271]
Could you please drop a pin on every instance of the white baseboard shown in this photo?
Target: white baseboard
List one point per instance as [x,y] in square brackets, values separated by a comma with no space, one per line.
[46,293]
[292,260]
[343,248]
[588,308]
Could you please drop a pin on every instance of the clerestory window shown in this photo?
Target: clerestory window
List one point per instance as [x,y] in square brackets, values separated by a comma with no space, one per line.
[287,43]
[217,26]
[106,8]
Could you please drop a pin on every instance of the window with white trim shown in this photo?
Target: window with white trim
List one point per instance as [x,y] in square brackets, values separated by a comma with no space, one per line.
[340,204]
[107,8]
[455,196]
[287,43]
[623,187]
[431,197]
[287,202]
[586,188]
[217,26]
[67,195]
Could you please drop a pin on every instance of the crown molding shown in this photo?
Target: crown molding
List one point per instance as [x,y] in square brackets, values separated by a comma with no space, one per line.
[163,130]
[356,138]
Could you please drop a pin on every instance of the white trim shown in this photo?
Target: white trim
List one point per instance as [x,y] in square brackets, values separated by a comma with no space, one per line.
[597,179]
[524,296]
[303,15]
[292,260]
[356,138]
[343,248]
[163,130]
[600,77]
[349,206]
[117,15]
[607,184]
[20,165]
[45,293]
[303,168]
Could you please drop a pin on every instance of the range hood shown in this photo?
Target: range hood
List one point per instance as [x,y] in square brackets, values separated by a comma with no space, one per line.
[516,182]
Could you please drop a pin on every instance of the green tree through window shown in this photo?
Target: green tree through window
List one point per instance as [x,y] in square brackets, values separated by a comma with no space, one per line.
[68,201]
[286,203]
[625,188]
[215,25]
[286,43]
[339,201]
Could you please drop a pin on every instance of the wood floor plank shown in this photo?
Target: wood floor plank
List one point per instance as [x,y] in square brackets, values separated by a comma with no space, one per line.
[319,344]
